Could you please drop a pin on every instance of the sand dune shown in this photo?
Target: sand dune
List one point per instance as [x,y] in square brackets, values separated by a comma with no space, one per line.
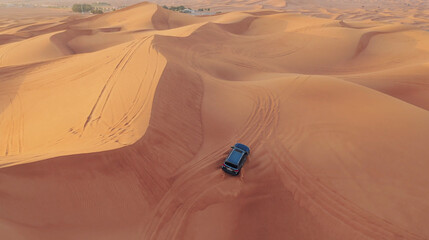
[114,127]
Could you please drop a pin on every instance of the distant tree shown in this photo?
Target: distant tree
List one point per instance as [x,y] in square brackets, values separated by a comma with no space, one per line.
[165,6]
[179,8]
[97,11]
[200,9]
[82,8]
[76,7]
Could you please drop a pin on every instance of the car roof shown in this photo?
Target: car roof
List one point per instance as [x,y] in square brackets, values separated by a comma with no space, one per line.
[235,156]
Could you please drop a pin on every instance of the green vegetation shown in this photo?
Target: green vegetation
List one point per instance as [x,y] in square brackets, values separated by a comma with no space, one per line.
[184,9]
[97,11]
[95,8]
[178,8]
[82,8]
[203,9]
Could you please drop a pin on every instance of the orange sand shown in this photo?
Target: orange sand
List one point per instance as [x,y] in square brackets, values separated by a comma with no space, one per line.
[115,126]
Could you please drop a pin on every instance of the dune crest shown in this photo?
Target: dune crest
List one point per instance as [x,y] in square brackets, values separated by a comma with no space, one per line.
[115,126]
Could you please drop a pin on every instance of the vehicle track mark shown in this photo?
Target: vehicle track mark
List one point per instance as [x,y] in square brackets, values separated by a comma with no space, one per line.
[15,125]
[10,129]
[127,59]
[193,178]
[21,125]
[313,194]
[137,105]
[111,81]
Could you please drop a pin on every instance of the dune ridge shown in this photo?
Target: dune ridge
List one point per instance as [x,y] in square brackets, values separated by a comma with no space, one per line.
[114,127]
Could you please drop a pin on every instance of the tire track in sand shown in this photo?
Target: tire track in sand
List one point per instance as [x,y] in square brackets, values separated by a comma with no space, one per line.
[194,178]
[136,107]
[15,134]
[317,197]
[111,82]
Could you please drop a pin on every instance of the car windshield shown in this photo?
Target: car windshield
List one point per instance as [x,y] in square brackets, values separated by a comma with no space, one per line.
[231,165]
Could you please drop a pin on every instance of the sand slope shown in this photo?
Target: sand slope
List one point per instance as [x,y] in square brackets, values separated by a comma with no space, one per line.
[115,126]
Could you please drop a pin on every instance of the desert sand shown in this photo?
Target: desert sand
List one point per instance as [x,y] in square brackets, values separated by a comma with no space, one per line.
[115,126]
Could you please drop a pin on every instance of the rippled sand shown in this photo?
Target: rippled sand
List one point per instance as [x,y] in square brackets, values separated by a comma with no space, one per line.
[115,126]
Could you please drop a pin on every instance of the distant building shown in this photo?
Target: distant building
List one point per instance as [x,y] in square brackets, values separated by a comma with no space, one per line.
[187,10]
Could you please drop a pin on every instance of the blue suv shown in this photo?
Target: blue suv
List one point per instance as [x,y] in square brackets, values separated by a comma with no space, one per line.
[234,162]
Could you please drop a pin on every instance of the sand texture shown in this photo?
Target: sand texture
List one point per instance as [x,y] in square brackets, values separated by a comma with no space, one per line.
[115,126]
